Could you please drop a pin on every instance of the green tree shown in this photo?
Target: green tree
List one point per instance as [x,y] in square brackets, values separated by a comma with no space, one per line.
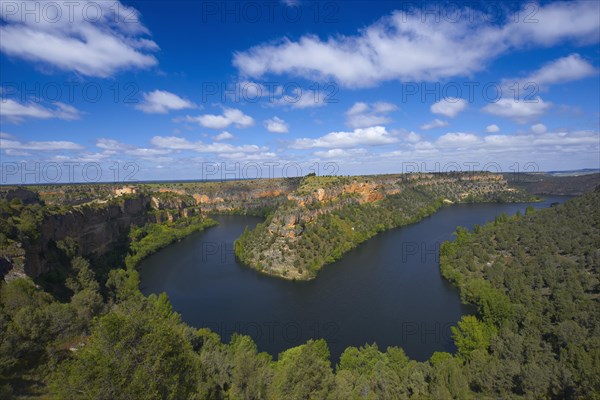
[470,335]
[303,372]
[137,350]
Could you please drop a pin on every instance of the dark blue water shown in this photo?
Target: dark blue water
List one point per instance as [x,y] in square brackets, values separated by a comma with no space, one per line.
[388,290]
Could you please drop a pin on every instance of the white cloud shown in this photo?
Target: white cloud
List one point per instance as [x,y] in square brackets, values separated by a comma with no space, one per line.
[4,135]
[562,70]
[16,153]
[299,99]
[412,137]
[363,115]
[7,144]
[16,112]
[383,107]
[161,102]
[252,156]
[403,46]
[436,123]
[111,144]
[145,152]
[545,150]
[539,128]
[230,116]
[179,143]
[87,37]
[358,108]
[492,128]
[457,139]
[372,136]
[165,145]
[112,147]
[276,125]
[555,23]
[449,106]
[519,111]
[341,153]
[223,136]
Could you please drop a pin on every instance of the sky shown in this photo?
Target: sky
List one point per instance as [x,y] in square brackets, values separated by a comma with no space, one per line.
[167,90]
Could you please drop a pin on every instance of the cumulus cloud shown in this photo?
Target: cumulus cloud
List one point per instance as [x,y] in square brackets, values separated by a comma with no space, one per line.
[449,106]
[556,22]
[112,147]
[87,37]
[223,136]
[412,137]
[436,123]
[547,149]
[16,112]
[245,156]
[519,111]
[372,136]
[299,98]
[179,143]
[492,128]
[341,153]
[562,70]
[457,139]
[403,46]
[363,115]
[539,128]
[276,125]
[230,116]
[169,145]
[161,102]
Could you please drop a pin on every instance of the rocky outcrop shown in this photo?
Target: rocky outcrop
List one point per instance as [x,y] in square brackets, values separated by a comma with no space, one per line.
[276,248]
[95,228]
[24,195]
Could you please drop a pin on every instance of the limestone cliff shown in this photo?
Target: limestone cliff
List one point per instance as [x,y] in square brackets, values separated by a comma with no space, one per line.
[99,216]
[327,216]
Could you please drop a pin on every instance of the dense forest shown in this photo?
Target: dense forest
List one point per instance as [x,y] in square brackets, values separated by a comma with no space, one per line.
[533,277]
[535,280]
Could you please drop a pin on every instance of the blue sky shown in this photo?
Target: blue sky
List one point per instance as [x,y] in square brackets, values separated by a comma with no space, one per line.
[194,90]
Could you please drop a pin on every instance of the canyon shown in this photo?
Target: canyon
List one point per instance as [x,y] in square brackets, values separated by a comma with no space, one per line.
[309,221]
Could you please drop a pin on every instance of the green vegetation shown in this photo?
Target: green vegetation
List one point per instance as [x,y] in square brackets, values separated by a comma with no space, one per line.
[37,331]
[19,221]
[328,237]
[151,237]
[534,279]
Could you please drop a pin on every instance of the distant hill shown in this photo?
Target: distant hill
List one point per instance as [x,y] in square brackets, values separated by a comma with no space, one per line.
[575,172]
[572,183]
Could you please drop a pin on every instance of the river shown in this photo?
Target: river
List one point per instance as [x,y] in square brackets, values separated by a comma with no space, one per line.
[388,290]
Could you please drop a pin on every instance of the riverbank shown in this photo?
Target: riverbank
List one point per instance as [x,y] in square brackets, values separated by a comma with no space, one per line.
[150,238]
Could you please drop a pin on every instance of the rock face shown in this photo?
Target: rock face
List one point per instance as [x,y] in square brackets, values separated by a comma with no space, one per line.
[96,229]
[26,196]
[99,217]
